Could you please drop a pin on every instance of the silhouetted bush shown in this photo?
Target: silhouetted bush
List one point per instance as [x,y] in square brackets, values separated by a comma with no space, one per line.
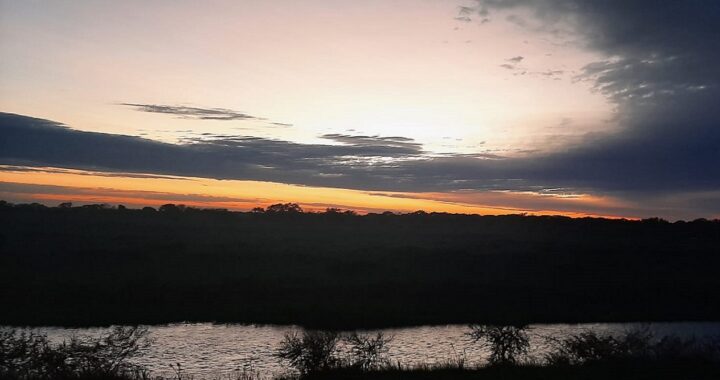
[28,355]
[591,346]
[311,351]
[506,343]
[25,354]
[368,352]
[637,345]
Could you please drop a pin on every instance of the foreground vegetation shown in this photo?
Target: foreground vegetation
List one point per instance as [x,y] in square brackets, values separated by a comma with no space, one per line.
[616,371]
[95,265]
[27,355]
[316,355]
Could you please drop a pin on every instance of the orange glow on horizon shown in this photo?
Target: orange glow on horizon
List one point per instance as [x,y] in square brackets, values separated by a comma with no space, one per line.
[52,186]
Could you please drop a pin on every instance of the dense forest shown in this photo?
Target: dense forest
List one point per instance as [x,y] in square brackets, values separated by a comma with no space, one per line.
[97,265]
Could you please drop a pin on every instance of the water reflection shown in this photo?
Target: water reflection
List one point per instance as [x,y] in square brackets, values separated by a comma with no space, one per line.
[206,350]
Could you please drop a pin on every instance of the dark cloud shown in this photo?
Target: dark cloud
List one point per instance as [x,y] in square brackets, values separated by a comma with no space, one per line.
[551,73]
[34,189]
[395,144]
[664,80]
[466,11]
[464,14]
[361,162]
[358,162]
[193,112]
[50,170]
[201,113]
[517,20]
[516,59]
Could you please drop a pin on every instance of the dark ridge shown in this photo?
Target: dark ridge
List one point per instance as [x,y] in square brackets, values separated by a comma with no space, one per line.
[96,265]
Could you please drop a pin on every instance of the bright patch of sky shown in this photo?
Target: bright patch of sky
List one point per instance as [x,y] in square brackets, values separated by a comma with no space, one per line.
[300,70]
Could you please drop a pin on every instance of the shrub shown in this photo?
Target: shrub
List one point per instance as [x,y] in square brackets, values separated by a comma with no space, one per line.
[28,355]
[23,354]
[506,343]
[313,351]
[590,346]
[107,355]
[368,352]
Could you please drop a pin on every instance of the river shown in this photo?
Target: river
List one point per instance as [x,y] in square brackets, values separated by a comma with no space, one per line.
[216,350]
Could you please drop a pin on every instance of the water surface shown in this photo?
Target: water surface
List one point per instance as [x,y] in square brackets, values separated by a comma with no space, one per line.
[207,350]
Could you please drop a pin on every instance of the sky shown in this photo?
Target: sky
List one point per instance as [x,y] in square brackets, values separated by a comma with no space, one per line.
[579,108]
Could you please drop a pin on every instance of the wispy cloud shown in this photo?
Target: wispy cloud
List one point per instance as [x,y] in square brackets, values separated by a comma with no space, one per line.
[193,112]
[200,113]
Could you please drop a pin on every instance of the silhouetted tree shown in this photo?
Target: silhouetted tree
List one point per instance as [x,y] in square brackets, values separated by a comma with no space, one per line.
[65,205]
[172,208]
[102,206]
[339,211]
[655,220]
[285,208]
[31,206]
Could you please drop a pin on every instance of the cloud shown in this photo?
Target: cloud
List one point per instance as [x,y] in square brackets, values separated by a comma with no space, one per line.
[50,170]
[394,144]
[102,192]
[373,163]
[662,78]
[355,160]
[359,162]
[551,73]
[515,65]
[200,113]
[193,112]
[464,14]
[661,75]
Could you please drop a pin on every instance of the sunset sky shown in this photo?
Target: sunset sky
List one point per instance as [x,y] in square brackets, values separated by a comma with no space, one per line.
[541,106]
